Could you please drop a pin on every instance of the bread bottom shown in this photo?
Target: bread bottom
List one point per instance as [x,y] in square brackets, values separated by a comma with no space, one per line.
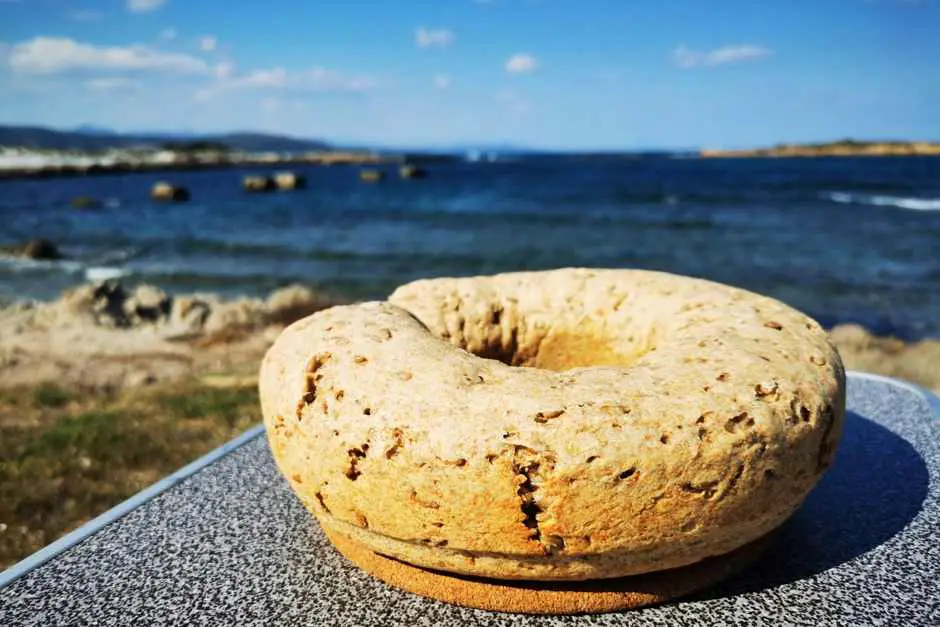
[534,597]
[562,567]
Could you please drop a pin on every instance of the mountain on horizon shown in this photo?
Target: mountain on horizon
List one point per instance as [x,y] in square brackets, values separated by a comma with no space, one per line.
[89,137]
[91,129]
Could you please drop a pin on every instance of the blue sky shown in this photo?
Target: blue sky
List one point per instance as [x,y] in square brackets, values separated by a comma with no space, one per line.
[599,74]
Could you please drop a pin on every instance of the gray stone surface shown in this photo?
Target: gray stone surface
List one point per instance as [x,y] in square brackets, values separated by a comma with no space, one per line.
[232,546]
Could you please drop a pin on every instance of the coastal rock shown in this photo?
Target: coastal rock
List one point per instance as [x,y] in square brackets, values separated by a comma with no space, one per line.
[411,171]
[110,305]
[243,313]
[188,316]
[293,302]
[86,202]
[258,184]
[861,350]
[98,304]
[147,304]
[371,176]
[106,304]
[166,192]
[108,336]
[38,249]
[289,180]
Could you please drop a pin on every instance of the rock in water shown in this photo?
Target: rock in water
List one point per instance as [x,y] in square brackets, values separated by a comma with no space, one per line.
[411,171]
[371,176]
[85,202]
[166,192]
[258,184]
[39,249]
[289,180]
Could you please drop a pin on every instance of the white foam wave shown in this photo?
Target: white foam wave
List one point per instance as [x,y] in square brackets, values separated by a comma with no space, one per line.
[117,255]
[104,273]
[18,264]
[901,202]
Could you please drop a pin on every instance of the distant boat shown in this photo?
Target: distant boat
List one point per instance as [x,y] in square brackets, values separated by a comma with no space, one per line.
[474,155]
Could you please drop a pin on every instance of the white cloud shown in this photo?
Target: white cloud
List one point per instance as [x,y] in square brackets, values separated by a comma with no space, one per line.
[168,34]
[441,81]
[276,77]
[521,63]
[208,43]
[427,37]
[687,59]
[280,79]
[57,55]
[144,6]
[111,83]
[224,70]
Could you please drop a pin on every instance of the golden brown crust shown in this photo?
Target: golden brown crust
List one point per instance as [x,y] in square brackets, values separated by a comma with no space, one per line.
[532,597]
[720,412]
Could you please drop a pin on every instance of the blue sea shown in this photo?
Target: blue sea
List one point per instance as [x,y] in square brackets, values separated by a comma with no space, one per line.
[844,239]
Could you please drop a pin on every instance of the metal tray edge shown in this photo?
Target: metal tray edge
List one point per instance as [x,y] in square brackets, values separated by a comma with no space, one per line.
[120,510]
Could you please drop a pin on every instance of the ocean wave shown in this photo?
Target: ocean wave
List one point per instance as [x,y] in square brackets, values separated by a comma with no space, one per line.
[104,273]
[901,202]
[115,255]
[17,265]
[23,264]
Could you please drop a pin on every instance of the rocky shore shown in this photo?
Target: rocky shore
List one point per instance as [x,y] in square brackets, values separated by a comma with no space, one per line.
[107,336]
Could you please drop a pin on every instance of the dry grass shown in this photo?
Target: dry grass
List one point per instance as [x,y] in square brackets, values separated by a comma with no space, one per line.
[67,456]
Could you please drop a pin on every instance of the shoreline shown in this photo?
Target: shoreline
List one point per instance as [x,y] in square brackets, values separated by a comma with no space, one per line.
[106,336]
[845,148]
[187,163]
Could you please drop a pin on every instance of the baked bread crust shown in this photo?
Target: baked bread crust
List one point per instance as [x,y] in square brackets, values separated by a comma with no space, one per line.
[664,420]
[559,597]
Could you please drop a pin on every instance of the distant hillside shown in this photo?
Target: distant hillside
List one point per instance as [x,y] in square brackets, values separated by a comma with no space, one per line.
[91,139]
[843,148]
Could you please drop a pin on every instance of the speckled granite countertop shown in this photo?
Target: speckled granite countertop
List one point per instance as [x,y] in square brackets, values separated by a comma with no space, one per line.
[230,545]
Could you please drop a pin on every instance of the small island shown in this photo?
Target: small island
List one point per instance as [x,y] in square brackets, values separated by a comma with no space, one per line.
[843,148]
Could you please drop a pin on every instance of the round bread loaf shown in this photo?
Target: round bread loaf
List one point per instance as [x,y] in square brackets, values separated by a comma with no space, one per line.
[563,425]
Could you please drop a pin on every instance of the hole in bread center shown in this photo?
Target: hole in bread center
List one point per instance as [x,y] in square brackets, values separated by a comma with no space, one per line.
[557,347]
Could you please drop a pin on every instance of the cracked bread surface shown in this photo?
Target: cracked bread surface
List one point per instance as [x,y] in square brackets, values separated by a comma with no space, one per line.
[563,425]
